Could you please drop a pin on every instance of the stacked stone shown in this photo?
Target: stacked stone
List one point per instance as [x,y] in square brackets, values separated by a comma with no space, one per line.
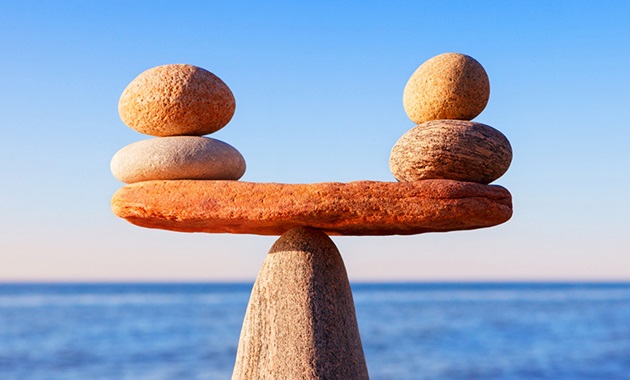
[178,104]
[441,97]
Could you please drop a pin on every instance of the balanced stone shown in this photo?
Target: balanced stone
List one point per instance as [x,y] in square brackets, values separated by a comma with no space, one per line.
[177,157]
[300,322]
[451,149]
[447,86]
[354,208]
[179,99]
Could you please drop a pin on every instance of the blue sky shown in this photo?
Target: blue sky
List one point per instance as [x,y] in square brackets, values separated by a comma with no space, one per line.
[318,87]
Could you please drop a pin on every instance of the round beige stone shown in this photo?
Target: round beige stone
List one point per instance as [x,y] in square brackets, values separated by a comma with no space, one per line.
[451,149]
[447,86]
[174,100]
[177,157]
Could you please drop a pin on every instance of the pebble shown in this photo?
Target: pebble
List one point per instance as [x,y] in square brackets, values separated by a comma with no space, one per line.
[177,157]
[451,149]
[447,86]
[173,100]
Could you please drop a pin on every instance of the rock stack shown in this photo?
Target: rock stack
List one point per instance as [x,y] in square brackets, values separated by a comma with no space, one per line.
[178,104]
[300,322]
[442,96]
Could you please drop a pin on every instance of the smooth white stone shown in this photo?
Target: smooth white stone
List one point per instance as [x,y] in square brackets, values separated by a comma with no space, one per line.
[177,157]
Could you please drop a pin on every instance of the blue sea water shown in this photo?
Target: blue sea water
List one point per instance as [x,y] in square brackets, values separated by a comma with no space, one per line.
[409,331]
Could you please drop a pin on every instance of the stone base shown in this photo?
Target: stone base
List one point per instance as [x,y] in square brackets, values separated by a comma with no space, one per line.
[300,321]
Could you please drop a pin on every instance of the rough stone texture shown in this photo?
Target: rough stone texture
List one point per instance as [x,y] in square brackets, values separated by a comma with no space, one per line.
[173,100]
[177,157]
[355,208]
[451,149]
[300,321]
[447,86]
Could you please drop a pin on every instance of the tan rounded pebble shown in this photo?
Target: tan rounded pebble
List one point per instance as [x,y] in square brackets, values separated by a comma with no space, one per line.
[174,100]
[447,86]
[451,149]
[301,322]
[177,157]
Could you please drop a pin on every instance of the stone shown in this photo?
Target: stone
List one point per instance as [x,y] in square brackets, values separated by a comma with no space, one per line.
[177,157]
[300,322]
[447,86]
[174,100]
[354,208]
[451,149]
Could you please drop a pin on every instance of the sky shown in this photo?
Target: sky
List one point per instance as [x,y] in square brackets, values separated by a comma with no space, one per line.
[318,88]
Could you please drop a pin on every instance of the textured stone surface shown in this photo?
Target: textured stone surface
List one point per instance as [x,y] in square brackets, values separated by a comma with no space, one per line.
[355,208]
[173,100]
[177,157]
[300,321]
[451,149]
[447,86]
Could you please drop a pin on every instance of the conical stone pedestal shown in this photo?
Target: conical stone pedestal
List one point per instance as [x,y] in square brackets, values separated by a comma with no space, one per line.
[300,322]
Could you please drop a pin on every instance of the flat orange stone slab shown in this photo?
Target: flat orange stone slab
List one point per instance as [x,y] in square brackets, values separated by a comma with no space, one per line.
[354,208]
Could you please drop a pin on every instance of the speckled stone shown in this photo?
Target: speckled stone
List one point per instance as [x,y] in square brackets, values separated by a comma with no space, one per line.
[174,100]
[451,149]
[300,322]
[447,86]
[354,208]
[177,157]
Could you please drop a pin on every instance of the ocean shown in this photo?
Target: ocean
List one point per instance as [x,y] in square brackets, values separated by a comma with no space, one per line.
[409,331]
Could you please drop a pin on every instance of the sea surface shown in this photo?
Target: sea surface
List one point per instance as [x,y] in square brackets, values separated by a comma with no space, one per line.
[409,331]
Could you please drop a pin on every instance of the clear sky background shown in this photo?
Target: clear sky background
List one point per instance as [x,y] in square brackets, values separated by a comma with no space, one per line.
[318,87]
